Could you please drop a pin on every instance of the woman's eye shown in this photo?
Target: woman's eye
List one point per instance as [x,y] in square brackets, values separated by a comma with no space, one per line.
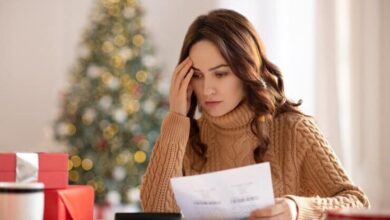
[196,75]
[221,74]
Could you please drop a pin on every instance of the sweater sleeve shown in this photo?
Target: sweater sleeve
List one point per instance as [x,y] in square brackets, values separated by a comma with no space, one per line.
[165,162]
[323,175]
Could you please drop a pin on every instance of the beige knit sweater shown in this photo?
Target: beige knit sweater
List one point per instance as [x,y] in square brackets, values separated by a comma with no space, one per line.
[303,165]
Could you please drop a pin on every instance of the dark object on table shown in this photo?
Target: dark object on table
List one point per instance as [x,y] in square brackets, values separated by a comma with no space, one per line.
[147,216]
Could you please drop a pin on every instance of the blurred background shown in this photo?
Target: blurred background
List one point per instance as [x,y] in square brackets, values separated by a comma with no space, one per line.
[66,66]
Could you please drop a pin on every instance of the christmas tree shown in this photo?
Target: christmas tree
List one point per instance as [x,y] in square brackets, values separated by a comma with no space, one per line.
[111,110]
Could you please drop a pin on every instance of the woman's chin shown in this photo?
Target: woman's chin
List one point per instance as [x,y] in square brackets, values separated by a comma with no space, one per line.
[214,112]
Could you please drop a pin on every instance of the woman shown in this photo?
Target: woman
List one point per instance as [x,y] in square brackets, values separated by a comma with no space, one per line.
[245,119]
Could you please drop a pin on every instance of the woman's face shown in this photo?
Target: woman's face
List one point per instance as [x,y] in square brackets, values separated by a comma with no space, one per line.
[216,87]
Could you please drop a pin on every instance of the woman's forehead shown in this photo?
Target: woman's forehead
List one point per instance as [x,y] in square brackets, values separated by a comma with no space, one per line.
[205,55]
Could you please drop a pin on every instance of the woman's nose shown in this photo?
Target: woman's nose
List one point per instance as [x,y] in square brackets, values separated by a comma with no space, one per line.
[209,88]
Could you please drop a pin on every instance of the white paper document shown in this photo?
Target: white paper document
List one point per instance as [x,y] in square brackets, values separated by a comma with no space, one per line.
[228,194]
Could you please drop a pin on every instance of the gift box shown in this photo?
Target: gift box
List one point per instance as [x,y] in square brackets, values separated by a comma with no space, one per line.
[48,168]
[358,214]
[72,203]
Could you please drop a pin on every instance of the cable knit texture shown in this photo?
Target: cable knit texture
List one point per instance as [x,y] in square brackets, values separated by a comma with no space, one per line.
[304,168]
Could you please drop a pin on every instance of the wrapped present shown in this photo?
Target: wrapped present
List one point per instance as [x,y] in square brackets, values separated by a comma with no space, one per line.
[72,203]
[358,214]
[48,168]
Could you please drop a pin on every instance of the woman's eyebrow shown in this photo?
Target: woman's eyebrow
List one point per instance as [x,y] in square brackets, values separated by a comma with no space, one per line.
[212,68]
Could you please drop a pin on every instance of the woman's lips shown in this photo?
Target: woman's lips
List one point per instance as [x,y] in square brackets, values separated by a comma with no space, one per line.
[211,104]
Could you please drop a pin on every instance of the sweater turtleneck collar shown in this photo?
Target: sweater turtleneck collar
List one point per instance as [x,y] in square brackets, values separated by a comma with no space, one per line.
[238,118]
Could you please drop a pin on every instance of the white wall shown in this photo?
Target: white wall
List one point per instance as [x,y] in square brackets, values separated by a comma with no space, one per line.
[168,22]
[37,41]
[384,161]
[287,29]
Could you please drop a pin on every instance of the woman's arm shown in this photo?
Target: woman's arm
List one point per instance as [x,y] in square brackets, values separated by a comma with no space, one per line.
[168,152]
[324,175]
[165,162]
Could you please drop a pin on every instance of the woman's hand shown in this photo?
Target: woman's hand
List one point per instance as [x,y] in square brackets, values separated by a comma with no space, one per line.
[180,91]
[284,209]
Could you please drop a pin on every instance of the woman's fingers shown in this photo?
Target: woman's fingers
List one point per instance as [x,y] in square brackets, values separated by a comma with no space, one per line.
[179,91]
[279,208]
[186,81]
[177,69]
[181,65]
[174,85]
[189,95]
[180,77]
[189,92]
[182,73]
[266,212]
[180,68]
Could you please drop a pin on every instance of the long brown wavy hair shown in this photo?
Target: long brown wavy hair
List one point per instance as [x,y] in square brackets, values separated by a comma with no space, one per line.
[242,48]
